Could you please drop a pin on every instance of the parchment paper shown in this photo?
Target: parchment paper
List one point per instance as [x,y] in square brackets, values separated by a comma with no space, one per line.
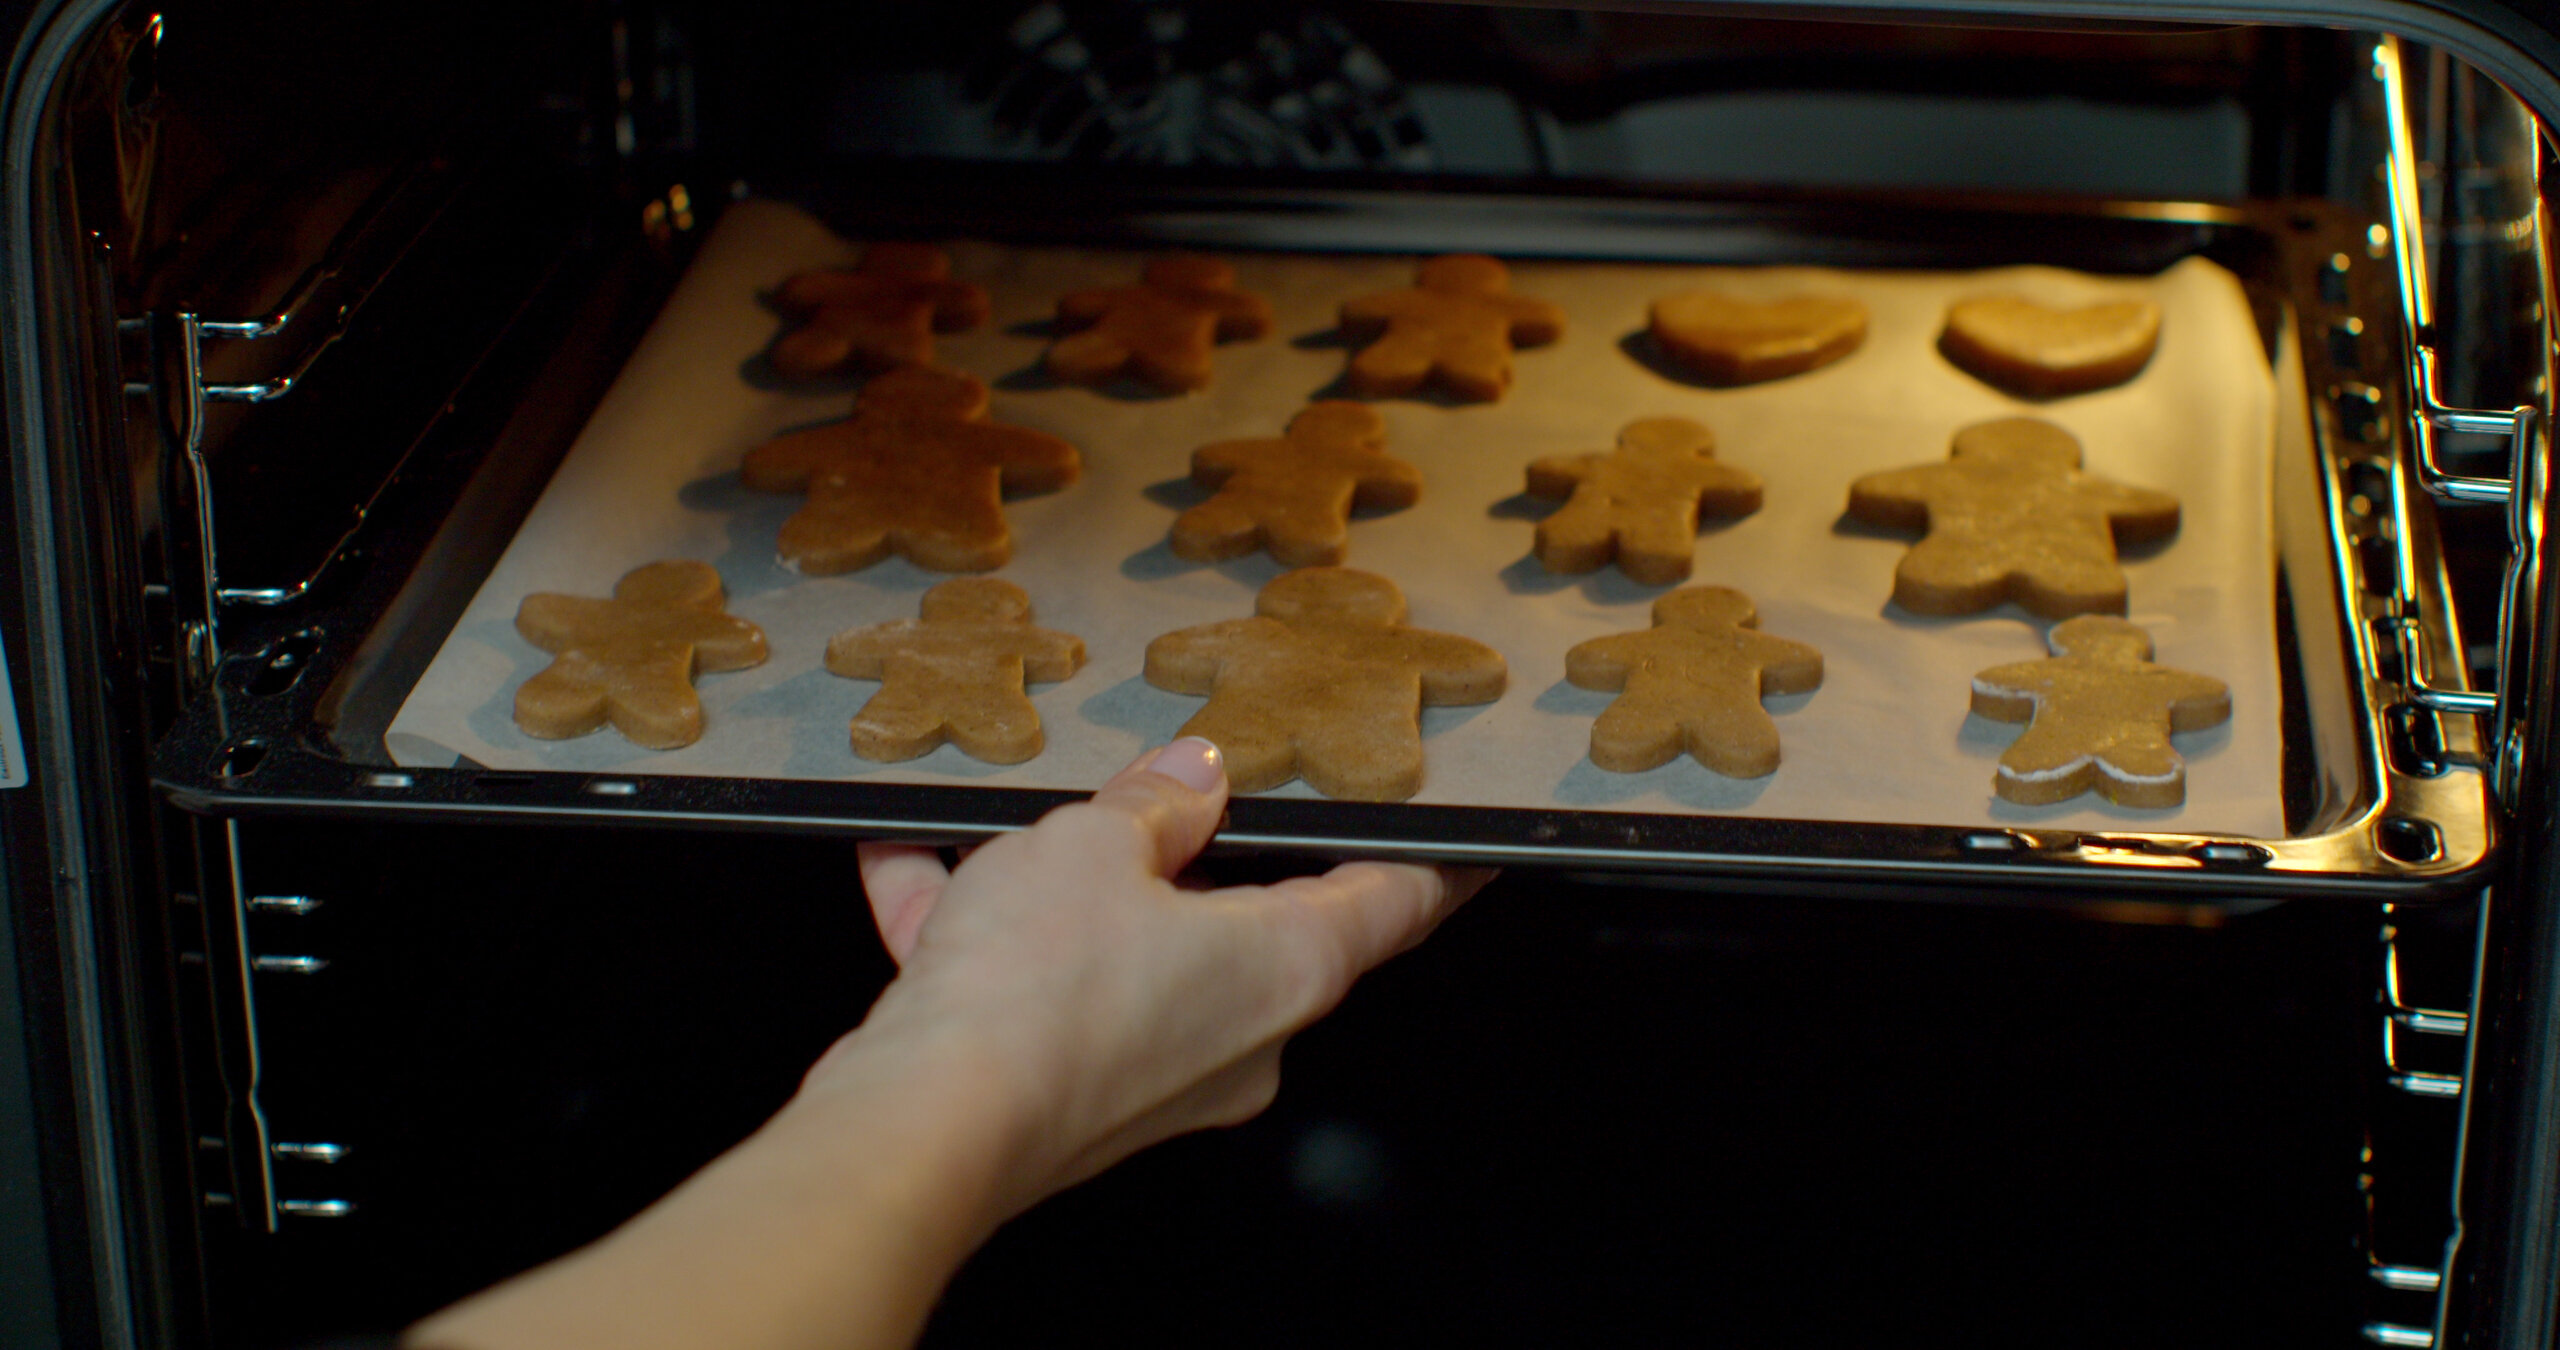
[1888,737]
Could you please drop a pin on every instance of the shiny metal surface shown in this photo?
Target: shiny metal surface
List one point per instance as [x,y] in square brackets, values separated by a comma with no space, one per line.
[256,1153]
[2409,1279]
[2444,1085]
[2433,1022]
[2389,1333]
[2523,426]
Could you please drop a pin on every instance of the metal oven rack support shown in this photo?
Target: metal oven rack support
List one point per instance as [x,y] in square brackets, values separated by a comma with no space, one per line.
[2523,495]
[318,309]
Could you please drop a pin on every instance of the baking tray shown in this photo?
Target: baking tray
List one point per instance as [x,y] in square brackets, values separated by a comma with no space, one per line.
[2300,789]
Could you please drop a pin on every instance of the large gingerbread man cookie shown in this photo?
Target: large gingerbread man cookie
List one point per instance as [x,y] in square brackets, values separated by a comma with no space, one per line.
[1160,330]
[1295,495]
[916,471]
[1638,504]
[2010,516]
[1324,683]
[1454,327]
[955,674]
[2027,348]
[2099,715]
[880,313]
[631,660]
[1692,682]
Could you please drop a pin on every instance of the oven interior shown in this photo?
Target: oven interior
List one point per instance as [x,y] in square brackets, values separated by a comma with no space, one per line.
[348,279]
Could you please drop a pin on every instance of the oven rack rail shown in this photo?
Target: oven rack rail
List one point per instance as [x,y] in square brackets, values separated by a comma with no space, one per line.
[315,312]
[2522,493]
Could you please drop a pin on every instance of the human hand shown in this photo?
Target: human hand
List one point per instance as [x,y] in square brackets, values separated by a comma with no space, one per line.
[1062,1003]
[1116,1007]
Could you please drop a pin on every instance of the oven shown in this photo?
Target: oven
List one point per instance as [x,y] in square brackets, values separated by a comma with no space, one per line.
[335,330]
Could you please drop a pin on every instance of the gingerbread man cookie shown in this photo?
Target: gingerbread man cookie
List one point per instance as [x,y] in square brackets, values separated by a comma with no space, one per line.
[2025,348]
[1295,495]
[882,312]
[1456,327]
[1692,682]
[916,471]
[955,674]
[1324,683]
[1160,330]
[631,660]
[1726,340]
[1639,503]
[2010,516]
[2099,715]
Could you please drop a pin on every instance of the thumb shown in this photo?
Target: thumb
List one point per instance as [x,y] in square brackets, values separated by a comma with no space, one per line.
[1177,795]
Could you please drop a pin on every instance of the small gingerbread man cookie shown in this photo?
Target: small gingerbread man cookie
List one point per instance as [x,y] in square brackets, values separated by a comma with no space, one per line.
[1638,504]
[1726,340]
[1456,327]
[955,674]
[1295,495]
[1324,683]
[882,312]
[2010,516]
[916,471]
[2099,715]
[1692,682]
[2026,348]
[631,660]
[1160,330]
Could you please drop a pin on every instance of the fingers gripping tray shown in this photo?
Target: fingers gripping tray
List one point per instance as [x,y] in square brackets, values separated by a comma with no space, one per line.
[2237,506]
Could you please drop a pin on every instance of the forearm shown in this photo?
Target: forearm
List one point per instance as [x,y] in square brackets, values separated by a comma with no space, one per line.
[836,1225]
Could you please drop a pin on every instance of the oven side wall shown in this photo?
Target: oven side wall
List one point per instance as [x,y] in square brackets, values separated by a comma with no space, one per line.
[85,897]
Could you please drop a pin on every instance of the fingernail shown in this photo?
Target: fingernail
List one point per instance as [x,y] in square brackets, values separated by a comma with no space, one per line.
[1192,762]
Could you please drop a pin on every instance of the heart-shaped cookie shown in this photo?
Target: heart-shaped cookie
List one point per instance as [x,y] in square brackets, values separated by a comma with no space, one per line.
[1727,340]
[2026,348]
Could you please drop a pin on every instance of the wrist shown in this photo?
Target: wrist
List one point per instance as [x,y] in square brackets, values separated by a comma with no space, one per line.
[956,1110]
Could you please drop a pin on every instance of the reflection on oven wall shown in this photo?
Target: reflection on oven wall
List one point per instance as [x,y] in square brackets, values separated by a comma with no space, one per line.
[1591,95]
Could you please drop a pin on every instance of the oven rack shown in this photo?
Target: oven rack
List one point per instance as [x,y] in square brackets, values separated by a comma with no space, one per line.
[294,719]
[232,400]
[316,309]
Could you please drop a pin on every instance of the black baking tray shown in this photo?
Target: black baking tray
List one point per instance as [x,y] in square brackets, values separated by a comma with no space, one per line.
[2380,797]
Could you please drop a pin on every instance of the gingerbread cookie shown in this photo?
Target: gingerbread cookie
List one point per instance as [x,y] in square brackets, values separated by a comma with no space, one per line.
[1692,682]
[1726,340]
[1160,330]
[1456,327]
[955,674]
[2099,715]
[1639,503]
[882,312]
[2025,348]
[916,471]
[1295,495]
[631,660]
[1324,683]
[2010,516]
